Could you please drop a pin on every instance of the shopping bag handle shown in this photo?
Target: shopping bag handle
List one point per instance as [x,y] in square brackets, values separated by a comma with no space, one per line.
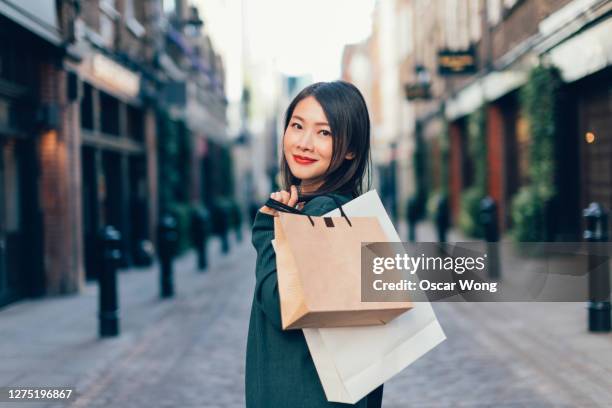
[279,206]
[342,213]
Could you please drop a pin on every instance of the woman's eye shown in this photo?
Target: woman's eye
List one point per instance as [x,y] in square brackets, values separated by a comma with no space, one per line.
[296,125]
[325,133]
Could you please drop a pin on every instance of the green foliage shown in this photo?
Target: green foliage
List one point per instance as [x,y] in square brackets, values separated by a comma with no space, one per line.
[470,198]
[174,158]
[470,212]
[539,101]
[182,213]
[528,215]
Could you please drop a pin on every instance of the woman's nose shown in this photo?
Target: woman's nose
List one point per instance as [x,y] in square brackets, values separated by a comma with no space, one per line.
[305,142]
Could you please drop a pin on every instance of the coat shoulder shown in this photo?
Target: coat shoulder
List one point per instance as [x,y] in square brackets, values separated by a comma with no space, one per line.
[323,204]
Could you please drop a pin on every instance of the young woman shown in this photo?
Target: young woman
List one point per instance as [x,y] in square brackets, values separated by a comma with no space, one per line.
[326,154]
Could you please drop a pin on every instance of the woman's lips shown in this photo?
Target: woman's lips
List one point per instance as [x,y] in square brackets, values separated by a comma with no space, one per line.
[303,160]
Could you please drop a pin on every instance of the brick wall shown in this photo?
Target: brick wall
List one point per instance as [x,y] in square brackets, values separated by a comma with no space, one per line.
[150,131]
[520,23]
[59,154]
[495,160]
[455,173]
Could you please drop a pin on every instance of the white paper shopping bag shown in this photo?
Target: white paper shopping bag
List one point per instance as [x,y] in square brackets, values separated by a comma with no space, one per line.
[347,373]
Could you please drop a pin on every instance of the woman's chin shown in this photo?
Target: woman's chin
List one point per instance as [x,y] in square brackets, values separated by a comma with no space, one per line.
[301,173]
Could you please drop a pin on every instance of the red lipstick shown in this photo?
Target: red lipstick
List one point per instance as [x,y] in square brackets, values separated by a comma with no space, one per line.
[303,160]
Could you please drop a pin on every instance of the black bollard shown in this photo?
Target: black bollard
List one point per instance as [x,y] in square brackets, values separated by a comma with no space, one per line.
[237,221]
[596,231]
[167,240]
[224,222]
[412,212]
[221,222]
[200,226]
[488,220]
[109,244]
[442,218]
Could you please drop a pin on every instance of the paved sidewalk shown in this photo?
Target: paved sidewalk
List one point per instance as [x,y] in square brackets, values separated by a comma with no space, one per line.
[189,351]
[54,341]
[521,354]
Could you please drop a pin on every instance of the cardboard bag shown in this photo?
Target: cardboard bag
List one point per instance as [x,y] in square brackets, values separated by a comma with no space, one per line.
[318,262]
[353,361]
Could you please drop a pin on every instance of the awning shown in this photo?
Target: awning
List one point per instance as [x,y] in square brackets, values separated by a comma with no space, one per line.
[37,16]
[584,54]
[486,89]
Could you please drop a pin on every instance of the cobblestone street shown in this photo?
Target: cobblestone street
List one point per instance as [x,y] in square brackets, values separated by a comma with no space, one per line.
[189,352]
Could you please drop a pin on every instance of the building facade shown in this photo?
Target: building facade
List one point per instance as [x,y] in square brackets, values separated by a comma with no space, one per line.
[82,110]
[476,74]
[30,116]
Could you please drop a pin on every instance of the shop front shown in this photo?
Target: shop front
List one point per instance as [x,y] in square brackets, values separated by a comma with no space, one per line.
[114,159]
[22,118]
[583,59]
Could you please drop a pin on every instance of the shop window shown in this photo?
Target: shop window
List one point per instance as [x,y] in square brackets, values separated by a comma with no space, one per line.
[16,60]
[135,123]
[109,114]
[12,213]
[7,59]
[87,107]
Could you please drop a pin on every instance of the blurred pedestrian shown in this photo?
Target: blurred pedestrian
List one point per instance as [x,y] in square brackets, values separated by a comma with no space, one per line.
[325,157]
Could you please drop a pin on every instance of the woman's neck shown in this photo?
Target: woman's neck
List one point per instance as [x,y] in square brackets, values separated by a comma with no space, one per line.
[310,187]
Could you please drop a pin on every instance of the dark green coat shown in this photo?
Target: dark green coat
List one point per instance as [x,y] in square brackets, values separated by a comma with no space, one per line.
[279,370]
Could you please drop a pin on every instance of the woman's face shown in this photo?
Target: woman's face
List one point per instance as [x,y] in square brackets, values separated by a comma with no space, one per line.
[307,142]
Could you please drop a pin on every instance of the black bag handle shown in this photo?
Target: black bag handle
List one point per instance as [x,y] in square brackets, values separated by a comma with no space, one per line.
[279,206]
[342,213]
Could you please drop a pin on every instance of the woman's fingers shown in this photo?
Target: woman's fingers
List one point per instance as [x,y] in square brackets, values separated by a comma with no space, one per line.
[293,197]
[289,198]
[268,210]
[284,196]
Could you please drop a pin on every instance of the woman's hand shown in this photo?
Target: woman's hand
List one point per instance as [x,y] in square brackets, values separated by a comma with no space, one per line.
[284,197]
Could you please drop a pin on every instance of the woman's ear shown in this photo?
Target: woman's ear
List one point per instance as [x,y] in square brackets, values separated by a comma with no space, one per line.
[350,156]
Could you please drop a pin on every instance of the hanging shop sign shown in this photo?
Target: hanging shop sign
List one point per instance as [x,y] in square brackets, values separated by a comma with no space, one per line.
[415,91]
[114,76]
[421,88]
[453,62]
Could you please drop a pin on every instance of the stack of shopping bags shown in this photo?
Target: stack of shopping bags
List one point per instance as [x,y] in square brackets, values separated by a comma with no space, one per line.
[356,346]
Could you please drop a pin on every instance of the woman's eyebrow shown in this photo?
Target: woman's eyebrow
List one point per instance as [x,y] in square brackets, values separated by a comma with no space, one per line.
[318,123]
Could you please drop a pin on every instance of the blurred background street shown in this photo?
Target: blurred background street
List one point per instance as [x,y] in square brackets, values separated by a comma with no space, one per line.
[138,138]
[190,352]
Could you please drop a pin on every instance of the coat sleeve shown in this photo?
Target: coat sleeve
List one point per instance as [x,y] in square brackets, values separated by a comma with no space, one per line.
[266,282]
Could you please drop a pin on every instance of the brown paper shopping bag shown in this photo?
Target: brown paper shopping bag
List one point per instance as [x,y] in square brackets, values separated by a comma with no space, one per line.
[318,261]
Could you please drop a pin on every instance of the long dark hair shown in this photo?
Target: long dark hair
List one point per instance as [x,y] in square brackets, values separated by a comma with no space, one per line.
[348,118]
